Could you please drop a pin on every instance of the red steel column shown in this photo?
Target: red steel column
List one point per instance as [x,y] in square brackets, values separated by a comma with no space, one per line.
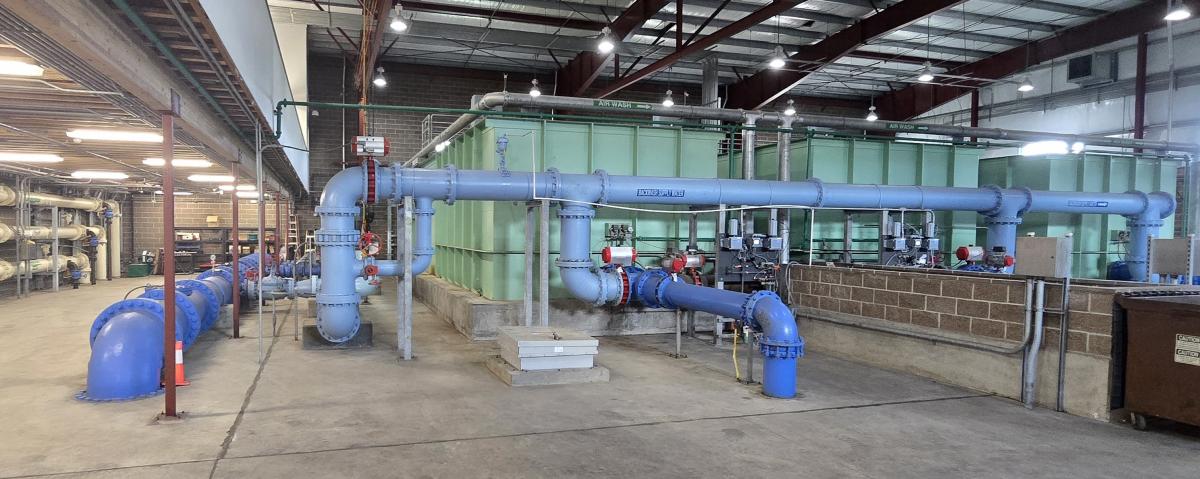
[168,186]
[236,252]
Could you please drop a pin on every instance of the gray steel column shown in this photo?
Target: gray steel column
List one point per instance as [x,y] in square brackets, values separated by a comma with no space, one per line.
[785,174]
[544,266]
[530,219]
[390,252]
[54,247]
[708,86]
[406,314]
[749,142]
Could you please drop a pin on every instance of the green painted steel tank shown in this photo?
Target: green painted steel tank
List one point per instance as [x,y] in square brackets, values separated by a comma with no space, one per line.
[480,244]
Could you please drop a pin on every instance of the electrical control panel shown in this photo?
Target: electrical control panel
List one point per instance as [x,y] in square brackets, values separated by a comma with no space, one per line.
[618,234]
[1048,257]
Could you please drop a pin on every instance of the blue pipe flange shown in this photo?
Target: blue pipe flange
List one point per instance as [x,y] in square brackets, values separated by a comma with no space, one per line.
[148,306]
[225,272]
[820,185]
[422,211]
[555,182]
[639,285]
[189,314]
[573,210]
[337,237]
[751,302]
[214,303]
[660,293]
[654,300]
[451,184]
[999,193]
[1028,200]
[603,185]
[781,349]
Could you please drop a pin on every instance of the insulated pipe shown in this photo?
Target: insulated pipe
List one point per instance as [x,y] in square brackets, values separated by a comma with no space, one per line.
[749,170]
[9,198]
[65,232]
[114,240]
[784,146]
[126,338]
[498,99]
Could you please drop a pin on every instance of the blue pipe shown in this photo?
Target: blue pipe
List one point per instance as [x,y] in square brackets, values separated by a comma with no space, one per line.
[577,192]
[126,338]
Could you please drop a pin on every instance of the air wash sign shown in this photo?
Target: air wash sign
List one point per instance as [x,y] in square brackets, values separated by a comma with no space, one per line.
[623,105]
[660,192]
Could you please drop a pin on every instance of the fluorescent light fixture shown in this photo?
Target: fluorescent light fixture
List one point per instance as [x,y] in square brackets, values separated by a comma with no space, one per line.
[239,188]
[98,175]
[1048,147]
[1025,86]
[606,44]
[926,74]
[20,69]
[534,91]
[1178,12]
[247,194]
[667,101]
[115,135]
[379,80]
[177,193]
[16,157]
[398,23]
[791,108]
[1077,147]
[440,147]
[871,116]
[211,178]
[778,59]
[184,163]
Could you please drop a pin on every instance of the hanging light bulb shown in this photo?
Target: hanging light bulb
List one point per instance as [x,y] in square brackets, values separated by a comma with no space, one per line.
[533,90]
[398,23]
[871,116]
[926,74]
[379,80]
[791,108]
[667,101]
[1025,86]
[778,59]
[1177,12]
[606,44]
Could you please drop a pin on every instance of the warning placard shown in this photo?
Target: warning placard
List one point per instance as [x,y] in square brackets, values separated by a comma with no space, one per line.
[1187,349]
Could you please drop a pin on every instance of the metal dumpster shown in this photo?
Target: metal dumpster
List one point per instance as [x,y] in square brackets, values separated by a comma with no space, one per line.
[1162,358]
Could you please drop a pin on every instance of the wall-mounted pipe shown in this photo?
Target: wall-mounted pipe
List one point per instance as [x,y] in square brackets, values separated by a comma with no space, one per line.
[44,265]
[338,319]
[65,232]
[126,338]
[35,198]
[500,99]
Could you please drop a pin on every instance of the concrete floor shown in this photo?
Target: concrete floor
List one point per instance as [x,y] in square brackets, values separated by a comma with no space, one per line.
[365,414]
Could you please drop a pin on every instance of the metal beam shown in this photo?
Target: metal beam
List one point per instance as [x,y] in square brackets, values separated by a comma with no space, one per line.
[581,71]
[499,14]
[768,11]
[1056,7]
[765,86]
[920,98]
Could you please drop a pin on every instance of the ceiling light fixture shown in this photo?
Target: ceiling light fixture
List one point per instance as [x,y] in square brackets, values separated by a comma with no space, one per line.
[926,73]
[533,90]
[778,59]
[1177,11]
[1025,86]
[379,80]
[177,193]
[247,194]
[16,157]
[20,69]
[871,116]
[98,175]
[211,178]
[114,135]
[399,24]
[606,44]
[181,163]
[791,108]
[667,101]
[238,188]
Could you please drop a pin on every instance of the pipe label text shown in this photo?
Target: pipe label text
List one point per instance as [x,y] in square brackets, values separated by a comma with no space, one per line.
[660,192]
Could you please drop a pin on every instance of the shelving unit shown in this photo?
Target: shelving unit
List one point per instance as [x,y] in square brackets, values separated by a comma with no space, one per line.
[205,241]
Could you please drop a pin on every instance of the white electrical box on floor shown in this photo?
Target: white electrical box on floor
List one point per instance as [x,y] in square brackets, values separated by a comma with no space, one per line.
[540,348]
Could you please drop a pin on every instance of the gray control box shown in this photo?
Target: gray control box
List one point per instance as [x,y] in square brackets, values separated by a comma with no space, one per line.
[1048,257]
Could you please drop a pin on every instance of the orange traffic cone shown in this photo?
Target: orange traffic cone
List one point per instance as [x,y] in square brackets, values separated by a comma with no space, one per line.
[180,380]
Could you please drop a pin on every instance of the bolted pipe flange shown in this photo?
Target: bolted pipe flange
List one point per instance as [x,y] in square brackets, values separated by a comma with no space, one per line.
[1028,201]
[213,311]
[624,275]
[555,182]
[148,306]
[337,237]
[820,186]
[336,210]
[573,263]
[603,185]
[189,313]
[575,211]
[999,194]
[781,349]
[369,180]
[653,299]
[451,184]
[348,302]
[660,293]
[752,301]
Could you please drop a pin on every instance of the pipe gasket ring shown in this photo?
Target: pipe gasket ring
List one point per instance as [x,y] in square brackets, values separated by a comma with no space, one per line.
[452,184]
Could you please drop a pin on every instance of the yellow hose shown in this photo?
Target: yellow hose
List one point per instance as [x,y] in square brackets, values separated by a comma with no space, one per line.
[737,373]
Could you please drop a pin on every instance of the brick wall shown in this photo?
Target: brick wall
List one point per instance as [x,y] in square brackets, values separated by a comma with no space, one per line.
[980,305]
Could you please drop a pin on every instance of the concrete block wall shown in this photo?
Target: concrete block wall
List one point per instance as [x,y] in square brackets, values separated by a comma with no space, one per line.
[984,308]
[978,305]
[146,217]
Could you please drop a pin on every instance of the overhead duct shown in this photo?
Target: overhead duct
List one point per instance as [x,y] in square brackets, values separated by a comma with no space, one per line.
[578,194]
